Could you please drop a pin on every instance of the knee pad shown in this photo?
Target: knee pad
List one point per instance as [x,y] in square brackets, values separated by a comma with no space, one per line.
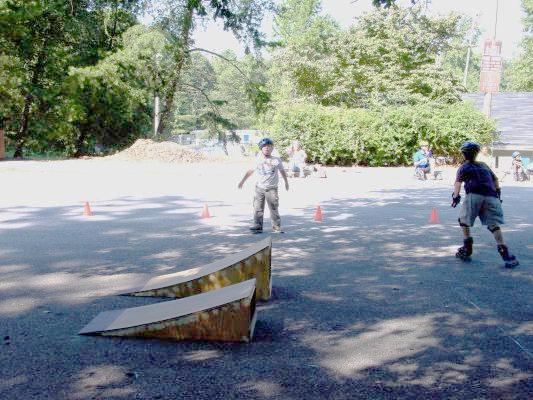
[493,228]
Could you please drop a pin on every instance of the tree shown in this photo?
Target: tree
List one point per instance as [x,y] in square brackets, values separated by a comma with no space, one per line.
[233,85]
[194,103]
[385,136]
[179,18]
[112,100]
[388,57]
[220,95]
[387,3]
[519,75]
[44,38]
[455,58]
[294,18]
[303,35]
[11,100]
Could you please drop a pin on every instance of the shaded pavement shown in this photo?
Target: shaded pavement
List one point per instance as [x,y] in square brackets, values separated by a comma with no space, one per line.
[369,303]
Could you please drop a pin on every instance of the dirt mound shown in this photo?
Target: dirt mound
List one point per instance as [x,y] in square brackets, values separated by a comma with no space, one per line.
[148,150]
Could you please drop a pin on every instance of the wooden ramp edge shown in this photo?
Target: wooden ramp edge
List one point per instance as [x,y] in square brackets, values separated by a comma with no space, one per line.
[252,262]
[227,314]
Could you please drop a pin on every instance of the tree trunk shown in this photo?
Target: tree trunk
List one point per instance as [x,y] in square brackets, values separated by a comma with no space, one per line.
[114,31]
[156,114]
[23,129]
[2,143]
[79,145]
[37,70]
[181,57]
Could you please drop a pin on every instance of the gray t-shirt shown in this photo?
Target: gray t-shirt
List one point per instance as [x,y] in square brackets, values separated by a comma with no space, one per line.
[299,157]
[266,169]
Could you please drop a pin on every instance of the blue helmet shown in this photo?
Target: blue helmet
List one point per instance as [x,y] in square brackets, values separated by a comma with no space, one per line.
[265,141]
[470,149]
[516,153]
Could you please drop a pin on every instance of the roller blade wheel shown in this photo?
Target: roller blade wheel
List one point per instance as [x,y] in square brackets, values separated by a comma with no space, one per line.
[509,259]
[510,264]
[465,251]
[463,256]
[256,229]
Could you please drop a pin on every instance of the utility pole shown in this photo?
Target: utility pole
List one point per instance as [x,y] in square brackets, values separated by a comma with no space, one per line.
[465,75]
[2,142]
[157,115]
[496,20]
[469,49]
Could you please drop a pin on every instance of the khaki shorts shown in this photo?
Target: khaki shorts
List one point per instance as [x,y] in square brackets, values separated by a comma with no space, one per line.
[487,208]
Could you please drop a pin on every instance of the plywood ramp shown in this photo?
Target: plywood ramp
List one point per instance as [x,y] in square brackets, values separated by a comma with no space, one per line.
[227,314]
[252,262]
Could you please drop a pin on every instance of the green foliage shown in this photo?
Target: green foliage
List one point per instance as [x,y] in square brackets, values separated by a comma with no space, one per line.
[304,35]
[387,3]
[11,100]
[111,101]
[220,94]
[72,82]
[241,17]
[454,58]
[376,137]
[388,57]
[519,75]
[527,5]
[79,73]
[42,39]
[105,109]
[193,102]
[240,87]
[294,18]
[368,94]
[178,20]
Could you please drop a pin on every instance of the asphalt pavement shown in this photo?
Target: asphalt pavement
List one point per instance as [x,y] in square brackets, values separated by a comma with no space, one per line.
[370,303]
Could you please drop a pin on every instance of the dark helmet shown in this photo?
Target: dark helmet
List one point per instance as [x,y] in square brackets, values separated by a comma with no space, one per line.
[265,141]
[470,149]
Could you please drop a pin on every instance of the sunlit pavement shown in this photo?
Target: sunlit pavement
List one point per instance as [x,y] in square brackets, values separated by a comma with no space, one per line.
[368,303]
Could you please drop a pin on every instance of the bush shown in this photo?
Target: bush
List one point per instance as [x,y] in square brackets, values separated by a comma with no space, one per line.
[388,136]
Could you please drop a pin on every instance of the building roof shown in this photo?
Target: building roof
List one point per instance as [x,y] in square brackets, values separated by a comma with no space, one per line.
[513,113]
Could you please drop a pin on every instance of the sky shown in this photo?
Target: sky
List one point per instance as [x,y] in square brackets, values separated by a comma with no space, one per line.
[509,27]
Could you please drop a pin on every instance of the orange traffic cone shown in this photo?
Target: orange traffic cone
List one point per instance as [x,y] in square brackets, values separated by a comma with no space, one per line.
[434,218]
[318,214]
[87,210]
[205,212]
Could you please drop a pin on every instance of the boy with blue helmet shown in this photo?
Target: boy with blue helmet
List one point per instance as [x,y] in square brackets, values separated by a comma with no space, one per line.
[482,200]
[517,168]
[266,168]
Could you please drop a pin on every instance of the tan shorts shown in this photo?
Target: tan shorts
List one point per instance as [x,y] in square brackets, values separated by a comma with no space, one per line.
[487,208]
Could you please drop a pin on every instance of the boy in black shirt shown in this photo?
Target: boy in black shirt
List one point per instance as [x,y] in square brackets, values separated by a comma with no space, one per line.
[482,200]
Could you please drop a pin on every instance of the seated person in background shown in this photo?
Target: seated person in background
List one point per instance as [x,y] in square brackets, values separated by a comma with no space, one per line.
[297,159]
[484,156]
[422,160]
[529,169]
[517,168]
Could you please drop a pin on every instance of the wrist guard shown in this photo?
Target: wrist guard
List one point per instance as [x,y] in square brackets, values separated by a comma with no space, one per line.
[456,200]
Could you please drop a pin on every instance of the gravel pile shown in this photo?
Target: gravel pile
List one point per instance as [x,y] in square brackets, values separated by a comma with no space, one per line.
[147,149]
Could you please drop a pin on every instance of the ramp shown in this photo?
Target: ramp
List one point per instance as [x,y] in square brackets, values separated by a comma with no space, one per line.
[227,314]
[253,262]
